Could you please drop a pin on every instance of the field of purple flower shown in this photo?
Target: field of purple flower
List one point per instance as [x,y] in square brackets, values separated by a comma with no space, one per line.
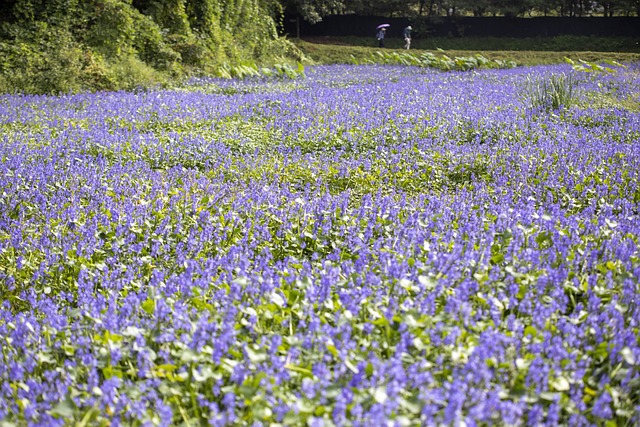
[370,245]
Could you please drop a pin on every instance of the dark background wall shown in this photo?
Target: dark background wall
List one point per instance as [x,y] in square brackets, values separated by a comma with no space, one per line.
[364,26]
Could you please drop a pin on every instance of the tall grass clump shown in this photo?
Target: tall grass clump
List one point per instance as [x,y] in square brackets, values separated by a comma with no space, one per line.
[550,93]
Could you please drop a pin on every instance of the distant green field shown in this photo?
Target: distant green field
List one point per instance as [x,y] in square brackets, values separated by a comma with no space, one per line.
[333,50]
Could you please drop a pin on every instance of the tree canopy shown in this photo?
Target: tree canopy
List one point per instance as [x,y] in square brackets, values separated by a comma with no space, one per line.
[313,10]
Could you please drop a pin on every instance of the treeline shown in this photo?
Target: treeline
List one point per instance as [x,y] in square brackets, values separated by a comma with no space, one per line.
[49,46]
[313,10]
[574,33]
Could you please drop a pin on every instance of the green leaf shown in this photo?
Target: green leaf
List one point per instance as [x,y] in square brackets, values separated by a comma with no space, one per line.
[351,366]
[481,277]
[549,396]
[497,258]
[291,418]
[110,372]
[332,349]
[64,409]
[68,349]
[369,369]
[256,356]
[544,240]
[304,372]
[87,417]
[429,283]
[277,299]
[45,357]
[413,405]
[149,306]
[380,394]
[169,367]
[187,356]
[560,384]
[628,356]
[602,351]
[408,285]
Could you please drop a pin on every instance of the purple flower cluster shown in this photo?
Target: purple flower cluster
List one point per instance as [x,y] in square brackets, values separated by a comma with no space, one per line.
[370,245]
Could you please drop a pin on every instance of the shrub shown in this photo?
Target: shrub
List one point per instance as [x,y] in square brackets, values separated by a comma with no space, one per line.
[41,59]
[129,72]
[119,30]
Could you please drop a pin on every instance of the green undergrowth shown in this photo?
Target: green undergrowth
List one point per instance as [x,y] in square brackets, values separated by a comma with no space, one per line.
[65,46]
[441,61]
[326,53]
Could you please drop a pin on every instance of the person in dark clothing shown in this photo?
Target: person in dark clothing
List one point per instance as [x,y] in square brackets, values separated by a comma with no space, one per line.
[381,32]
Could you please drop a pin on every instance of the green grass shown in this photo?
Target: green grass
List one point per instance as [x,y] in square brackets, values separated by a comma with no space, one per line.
[546,44]
[335,50]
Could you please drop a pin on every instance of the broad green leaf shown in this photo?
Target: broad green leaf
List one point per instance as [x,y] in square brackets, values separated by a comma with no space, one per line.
[64,409]
[351,366]
[277,299]
[149,306]
[332,349]
[380,394]
[560,384]
[628,356]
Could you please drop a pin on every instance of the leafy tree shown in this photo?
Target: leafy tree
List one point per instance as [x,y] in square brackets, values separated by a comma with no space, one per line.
[313,10]
[388,8]
[620,7]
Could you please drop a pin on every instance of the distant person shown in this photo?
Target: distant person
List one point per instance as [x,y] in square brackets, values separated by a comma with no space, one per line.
[406,33]
[381,32]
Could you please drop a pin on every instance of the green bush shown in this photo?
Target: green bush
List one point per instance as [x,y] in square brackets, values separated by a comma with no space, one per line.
[70,45]
[130,72]
[43,59]
[150,45]
[112,31]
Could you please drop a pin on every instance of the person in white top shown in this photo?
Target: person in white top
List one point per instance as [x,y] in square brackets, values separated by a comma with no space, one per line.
[406,33]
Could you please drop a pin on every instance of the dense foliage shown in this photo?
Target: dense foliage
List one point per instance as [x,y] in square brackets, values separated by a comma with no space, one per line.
[70,45]
[368,244]
[313,10]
